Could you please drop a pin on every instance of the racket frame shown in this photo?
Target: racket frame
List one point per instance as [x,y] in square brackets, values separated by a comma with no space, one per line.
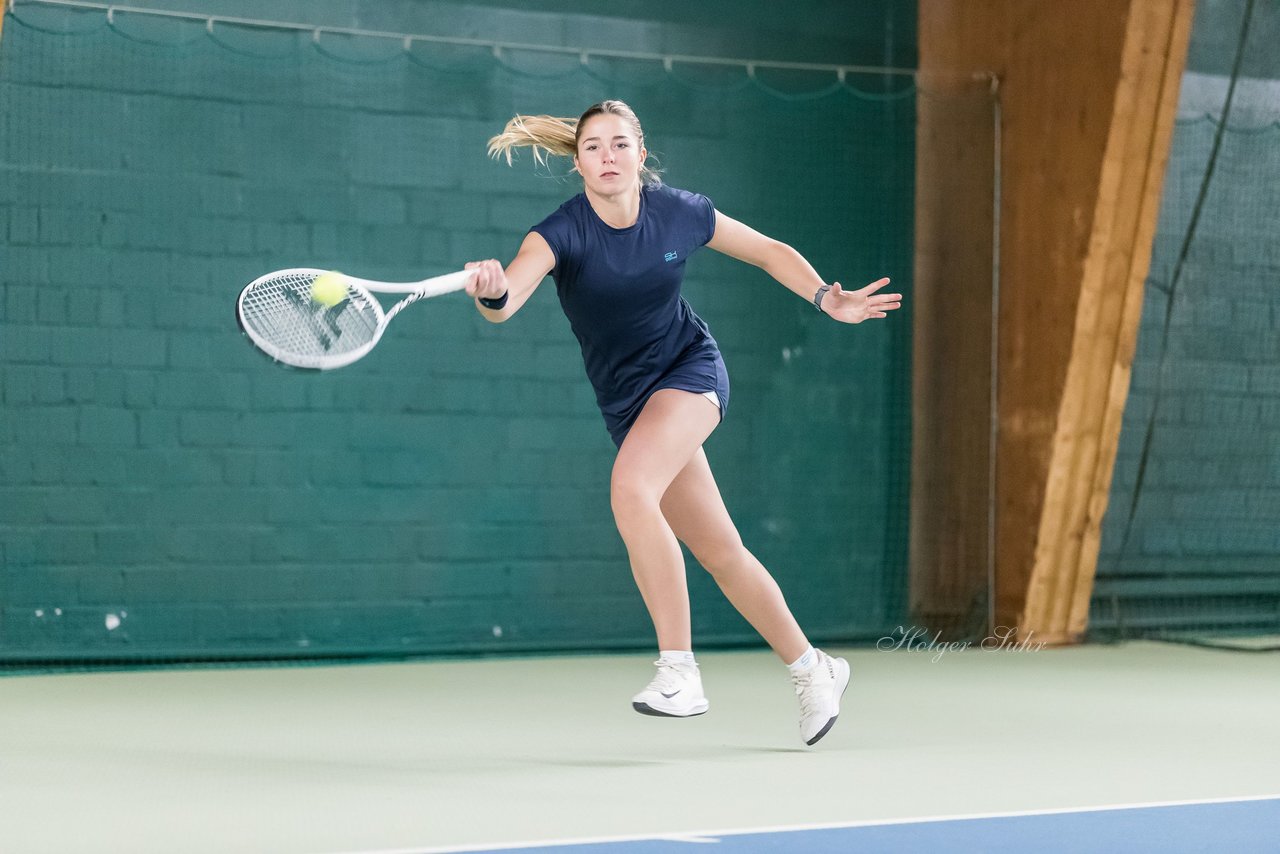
[363,289]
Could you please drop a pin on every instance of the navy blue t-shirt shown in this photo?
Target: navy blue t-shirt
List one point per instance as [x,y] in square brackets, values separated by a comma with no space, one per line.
[620,289]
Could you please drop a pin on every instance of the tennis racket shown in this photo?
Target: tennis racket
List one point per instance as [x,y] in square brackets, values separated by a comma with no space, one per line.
[279,315]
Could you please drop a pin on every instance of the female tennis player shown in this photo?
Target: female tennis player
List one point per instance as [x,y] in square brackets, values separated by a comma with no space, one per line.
[617,253]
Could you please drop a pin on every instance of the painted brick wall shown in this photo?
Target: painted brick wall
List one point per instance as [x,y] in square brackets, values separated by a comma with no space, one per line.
[165,491]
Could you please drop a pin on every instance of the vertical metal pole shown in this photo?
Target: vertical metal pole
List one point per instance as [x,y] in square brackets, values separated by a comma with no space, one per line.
[994,426]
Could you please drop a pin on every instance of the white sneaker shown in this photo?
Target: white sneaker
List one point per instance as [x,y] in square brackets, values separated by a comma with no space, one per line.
[820,689]
[675,692]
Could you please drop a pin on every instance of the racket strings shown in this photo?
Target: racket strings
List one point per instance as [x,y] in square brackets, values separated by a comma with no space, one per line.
[280,312]
[312,314]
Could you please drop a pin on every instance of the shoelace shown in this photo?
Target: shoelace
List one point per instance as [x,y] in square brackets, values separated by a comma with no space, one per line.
[808,698]
[669,676]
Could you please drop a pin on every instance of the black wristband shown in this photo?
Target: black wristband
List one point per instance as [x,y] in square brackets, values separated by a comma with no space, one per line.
[495,304]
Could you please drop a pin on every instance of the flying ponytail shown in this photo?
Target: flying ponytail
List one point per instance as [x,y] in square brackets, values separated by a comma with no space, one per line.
[544,134]
[548,135]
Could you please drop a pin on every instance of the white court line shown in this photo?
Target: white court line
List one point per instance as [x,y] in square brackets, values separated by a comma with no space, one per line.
[712,835]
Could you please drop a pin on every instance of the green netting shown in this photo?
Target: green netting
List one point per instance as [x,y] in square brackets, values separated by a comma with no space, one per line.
[1191,539]
[168,494]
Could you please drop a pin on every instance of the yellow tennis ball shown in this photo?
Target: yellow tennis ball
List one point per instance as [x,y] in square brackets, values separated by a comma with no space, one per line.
[329,289]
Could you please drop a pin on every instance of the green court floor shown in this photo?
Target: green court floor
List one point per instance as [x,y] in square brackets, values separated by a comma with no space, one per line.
[420,755]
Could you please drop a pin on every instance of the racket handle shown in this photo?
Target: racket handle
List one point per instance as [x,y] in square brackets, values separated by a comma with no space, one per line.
[435,286]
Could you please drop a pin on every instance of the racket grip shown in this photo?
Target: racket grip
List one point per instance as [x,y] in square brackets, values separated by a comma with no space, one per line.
[447,283]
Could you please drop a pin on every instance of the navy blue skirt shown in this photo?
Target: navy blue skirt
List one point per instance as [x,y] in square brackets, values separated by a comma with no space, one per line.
[699,369]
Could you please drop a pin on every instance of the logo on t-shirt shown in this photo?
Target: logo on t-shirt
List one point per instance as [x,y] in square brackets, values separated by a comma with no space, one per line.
[670,256]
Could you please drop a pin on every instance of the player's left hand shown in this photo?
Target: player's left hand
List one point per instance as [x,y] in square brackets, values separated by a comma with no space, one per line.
[862,304]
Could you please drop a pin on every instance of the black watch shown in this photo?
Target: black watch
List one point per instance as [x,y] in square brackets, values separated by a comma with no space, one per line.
[817,298]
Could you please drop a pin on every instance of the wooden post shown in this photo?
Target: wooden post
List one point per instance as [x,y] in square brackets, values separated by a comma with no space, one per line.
[1088,94]
[1106,323]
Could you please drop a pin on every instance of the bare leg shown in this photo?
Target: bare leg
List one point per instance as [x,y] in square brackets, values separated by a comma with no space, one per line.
[695,510]
[666,436]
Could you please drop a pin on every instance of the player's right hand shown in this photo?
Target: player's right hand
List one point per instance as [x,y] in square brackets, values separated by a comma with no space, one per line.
[490,280]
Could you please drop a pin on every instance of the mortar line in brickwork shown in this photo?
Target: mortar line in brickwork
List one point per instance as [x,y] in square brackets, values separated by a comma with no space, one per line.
[408,38]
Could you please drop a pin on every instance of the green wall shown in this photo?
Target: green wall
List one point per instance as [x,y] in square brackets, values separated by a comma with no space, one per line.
[450,492]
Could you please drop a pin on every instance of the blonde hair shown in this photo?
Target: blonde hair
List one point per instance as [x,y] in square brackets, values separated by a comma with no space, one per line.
[548,135]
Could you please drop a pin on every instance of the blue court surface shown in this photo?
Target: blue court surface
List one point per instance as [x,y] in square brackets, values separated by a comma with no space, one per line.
[1245,825]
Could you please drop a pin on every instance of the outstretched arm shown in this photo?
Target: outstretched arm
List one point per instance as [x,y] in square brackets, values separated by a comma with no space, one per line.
[519,280]
[789,267]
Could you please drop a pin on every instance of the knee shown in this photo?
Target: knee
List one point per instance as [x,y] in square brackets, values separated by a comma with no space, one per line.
[723,557]
[630,496]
